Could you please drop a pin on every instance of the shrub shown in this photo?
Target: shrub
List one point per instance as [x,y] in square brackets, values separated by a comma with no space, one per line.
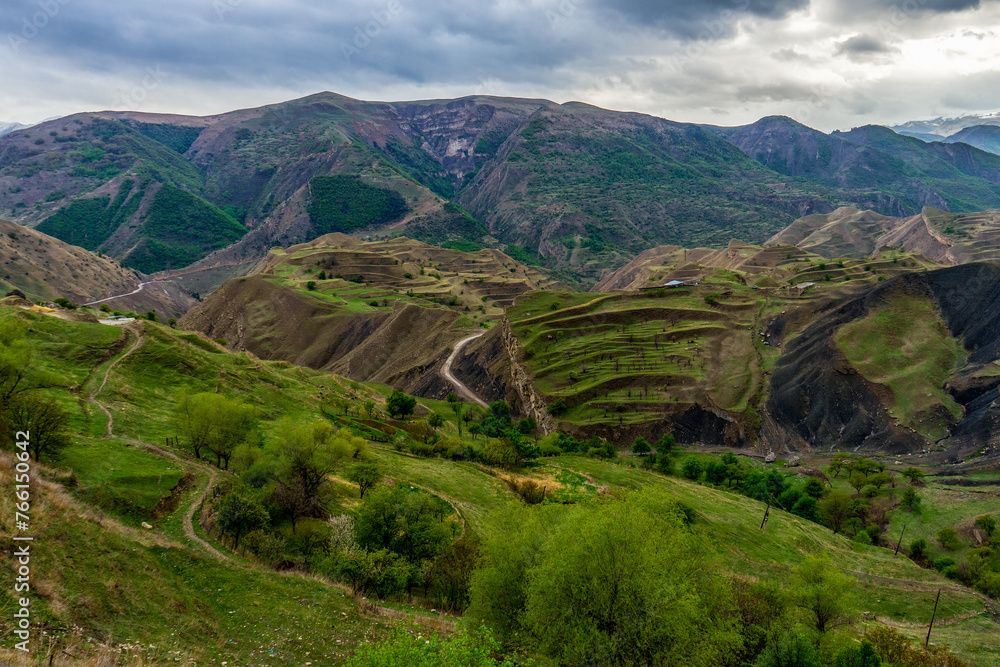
[987,524]
[943,563]
[918,549]
[311,285]
[558,407]
[948,538]
[691,468]
[910,500]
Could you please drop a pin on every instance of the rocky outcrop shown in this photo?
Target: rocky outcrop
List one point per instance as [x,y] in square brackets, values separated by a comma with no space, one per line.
[532,402]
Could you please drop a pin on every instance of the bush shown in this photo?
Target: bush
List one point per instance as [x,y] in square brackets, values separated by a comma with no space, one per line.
[918,549]
[910,500]
[549,449]
[862,537]
[948,538]
[558,407]
[691,468]
[943,563]
[311,285]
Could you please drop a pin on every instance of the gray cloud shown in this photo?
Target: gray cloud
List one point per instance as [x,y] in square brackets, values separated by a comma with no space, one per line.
[705,19]
[865,48]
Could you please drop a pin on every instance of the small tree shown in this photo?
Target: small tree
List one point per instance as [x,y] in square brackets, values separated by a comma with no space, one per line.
[239,514]
[834,510]
[369,406]
[824,592]
[42,419]
[915,475]
[691,468]
[948,538]
[910,500]
[435,420]
[365,475]
[641,447]
[665,445]
[987,524]
[311,285]
[400,405]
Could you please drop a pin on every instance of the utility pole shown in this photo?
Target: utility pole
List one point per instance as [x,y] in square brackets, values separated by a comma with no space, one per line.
[900,541]
[766,513]
[927,642]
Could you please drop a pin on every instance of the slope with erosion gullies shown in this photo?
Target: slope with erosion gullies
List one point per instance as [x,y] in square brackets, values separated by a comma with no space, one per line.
[908,367]
[940,236]
[44,268]
[385,311]
[584,187]
[873,167]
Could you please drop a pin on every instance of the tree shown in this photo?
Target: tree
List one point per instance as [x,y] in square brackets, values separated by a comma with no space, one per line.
[987,524]
[863,655]
[691,468]
[214,422]
[805,507]
[411,524]
[457,407]
[789,649]
[239,514]
[16,354]
[834,510]
[400,405]
[857,480]
[527,426]
[948,538]
[462,649]
[625,580]
[813,487]
[435,420]
[665,444]
[824,592]
[365,475]
[840,462]
[915,475]
[641,447]
[44,421]
[304,456]
[910,500]
[369,406]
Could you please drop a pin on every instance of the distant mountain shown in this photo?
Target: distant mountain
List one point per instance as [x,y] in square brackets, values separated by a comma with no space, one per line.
[6,128]
[873,167]
[945,127]
[570,187]
[984,137]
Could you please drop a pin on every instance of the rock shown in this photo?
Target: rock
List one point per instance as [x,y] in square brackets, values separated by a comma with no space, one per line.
[16,292]
[771,456]
[793,462]
[146,526]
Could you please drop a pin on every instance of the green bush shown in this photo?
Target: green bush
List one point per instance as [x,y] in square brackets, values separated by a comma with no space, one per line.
[691,468]
[948,538]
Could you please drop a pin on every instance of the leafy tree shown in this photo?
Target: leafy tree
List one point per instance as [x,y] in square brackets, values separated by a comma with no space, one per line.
[948,538]
[366,475]
[666,443]
[435,420]
[411,524]
[814,488]
[527,426]
[863,655]
[806,508]
[214,422]
[15,358]
[311,285]
[834,510]
[824,592]
[913,474]
[410,649]
[918,549]
[760,608]
[715,472]
[691,468]
[369,406]
[624,580]
[839,463]
[910,500]
[987,524]
[46,423]
[458,408]
[240,514]
[400,405]
[304,456]
[641,447]
[451,573]
[789,649]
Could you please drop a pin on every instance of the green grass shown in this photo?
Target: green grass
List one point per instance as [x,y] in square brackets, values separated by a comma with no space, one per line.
[907,347]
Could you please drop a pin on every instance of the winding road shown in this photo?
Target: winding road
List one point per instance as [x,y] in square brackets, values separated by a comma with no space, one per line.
[118,296]
[463,391]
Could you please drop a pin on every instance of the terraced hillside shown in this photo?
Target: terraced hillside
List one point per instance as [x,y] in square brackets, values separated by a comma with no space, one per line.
[744,264]
[383,311]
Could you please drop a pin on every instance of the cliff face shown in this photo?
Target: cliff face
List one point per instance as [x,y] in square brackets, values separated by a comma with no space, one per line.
[532,403]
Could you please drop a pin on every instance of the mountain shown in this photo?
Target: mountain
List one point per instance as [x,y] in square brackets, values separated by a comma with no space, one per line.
[946,127]
[45,268]
[983,137]
[6,128]
[873,167]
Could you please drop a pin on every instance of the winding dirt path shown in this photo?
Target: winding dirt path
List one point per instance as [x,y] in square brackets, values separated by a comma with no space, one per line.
[139,340]
[138,289]
[463,391]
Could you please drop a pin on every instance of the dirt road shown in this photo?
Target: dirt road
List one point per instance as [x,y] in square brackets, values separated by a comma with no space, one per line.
[463,391]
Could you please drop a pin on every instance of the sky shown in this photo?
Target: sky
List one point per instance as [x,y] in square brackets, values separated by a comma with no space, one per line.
[832,64]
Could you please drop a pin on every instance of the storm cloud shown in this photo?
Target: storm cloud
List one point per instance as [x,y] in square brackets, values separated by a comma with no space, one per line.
[838,62]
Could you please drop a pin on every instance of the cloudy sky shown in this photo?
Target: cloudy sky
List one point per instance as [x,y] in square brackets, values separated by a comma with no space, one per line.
[829,63]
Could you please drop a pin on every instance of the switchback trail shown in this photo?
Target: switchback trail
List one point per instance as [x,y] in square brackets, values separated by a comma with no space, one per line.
[463,391]
[139,340]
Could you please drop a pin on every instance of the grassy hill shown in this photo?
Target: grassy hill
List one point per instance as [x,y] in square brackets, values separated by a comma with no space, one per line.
[162,594]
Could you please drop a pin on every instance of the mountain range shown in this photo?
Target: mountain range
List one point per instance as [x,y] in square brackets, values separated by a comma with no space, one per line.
[570,187]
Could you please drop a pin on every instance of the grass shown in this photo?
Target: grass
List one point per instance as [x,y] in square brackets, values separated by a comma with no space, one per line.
[906,346]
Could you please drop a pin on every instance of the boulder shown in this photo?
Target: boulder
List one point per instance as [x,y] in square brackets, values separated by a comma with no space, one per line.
[793,462]
[146,526]
[771,456]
